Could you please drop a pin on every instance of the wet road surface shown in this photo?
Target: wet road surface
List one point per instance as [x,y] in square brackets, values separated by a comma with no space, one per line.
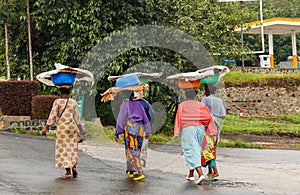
[27,167]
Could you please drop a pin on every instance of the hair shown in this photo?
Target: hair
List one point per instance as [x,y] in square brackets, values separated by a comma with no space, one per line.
[190,93]
[64,90]
[210,89]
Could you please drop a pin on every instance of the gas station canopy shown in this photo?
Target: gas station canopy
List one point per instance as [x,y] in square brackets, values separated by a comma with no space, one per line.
[276,26]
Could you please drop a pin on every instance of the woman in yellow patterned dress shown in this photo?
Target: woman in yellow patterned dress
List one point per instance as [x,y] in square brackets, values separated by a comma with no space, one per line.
[66,116]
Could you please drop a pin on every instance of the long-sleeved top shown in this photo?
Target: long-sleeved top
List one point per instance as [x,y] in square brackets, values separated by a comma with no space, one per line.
[132,110]
[215,105]
[193,113]
[148,109]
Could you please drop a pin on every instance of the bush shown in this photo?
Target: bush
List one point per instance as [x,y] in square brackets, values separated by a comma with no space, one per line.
[16,96]
[41,106]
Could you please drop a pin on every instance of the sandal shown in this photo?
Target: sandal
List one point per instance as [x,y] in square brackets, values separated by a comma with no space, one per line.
[139,178]
[74,171]
[66,176]
[130,175]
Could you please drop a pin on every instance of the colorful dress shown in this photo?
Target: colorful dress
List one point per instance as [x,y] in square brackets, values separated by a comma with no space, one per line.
[209,145]
[191,118]
[66,146]
[132,121]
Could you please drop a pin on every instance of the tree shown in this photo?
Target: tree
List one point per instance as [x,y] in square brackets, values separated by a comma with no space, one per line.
[29,40]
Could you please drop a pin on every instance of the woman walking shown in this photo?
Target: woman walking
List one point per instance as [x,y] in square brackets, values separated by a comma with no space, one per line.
[132,122]
[192,118]
[66,116]
[209,146]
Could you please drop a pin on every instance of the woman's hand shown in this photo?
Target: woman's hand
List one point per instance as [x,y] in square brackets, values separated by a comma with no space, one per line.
[117,138]
[147,136]
[45,130]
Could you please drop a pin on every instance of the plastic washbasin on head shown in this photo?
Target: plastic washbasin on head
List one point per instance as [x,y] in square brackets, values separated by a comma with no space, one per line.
[127,81]
[63,78]
[183,84]
[210,79]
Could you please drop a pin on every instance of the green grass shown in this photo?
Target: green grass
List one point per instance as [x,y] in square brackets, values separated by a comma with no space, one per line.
[238,76]
[106,135]
[295,145]
[282,124]
[98,133]
[236,144]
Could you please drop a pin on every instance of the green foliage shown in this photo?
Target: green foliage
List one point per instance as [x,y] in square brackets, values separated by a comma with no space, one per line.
[19,130]
[65,31]
[286,9]
[212,23]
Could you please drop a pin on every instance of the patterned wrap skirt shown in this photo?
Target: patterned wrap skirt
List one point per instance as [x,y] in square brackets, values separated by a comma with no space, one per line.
[133,142]
[66,146]
[209,147]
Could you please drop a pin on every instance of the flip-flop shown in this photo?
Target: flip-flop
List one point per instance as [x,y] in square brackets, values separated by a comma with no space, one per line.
[213,179]
[190,178]
[141,177]
[130,175]
[66,176]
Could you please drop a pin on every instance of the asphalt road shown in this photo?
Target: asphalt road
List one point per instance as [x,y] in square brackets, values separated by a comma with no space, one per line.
[27,167]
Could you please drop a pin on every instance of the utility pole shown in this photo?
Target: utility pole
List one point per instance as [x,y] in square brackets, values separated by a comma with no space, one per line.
[242,38]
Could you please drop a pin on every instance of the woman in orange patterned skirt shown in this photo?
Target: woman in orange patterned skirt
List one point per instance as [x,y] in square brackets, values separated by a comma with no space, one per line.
[66,116]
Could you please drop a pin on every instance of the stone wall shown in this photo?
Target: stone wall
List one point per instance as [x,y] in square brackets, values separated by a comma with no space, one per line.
[268,70]
[257,101]
[5,121]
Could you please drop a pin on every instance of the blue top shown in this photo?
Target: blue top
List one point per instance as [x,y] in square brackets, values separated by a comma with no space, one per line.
[148,109]
[215,105]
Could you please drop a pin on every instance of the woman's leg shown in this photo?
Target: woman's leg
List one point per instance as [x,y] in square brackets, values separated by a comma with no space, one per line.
[210,170]
[140,173]
[191,173]
[74,170]
[216,173]
[201,176]
[199,171]
[190,176]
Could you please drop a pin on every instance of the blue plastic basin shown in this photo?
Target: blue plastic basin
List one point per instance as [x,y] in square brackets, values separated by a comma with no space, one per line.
[63,78]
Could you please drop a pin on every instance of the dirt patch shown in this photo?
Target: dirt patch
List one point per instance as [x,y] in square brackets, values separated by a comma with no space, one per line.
[283,142]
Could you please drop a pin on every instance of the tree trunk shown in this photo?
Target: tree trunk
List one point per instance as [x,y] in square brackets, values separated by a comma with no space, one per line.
[29,41]
[6,45]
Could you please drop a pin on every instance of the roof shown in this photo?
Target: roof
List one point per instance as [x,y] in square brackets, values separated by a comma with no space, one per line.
[278,26]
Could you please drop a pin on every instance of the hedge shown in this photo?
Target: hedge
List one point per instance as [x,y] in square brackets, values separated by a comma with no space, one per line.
[41,106]
[16,96]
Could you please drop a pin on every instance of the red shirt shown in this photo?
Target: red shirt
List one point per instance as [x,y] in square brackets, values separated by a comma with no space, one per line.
[193,113]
